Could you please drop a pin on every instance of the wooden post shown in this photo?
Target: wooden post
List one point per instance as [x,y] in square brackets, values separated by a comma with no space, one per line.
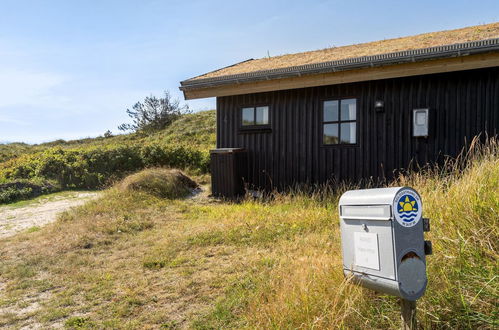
[408,314]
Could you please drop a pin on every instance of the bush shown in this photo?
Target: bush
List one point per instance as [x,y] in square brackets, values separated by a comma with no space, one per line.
[13,150]
[12,194]
[160,182]
[19,190]
[94,167]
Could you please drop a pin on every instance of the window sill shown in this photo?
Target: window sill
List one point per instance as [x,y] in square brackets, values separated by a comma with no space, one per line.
[343,145]
[254,129]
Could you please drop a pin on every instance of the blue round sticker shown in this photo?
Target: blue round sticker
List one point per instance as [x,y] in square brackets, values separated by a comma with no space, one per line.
[407,208]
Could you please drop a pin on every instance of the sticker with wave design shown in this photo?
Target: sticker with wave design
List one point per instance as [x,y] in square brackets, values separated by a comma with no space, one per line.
[409,216]
[408,208]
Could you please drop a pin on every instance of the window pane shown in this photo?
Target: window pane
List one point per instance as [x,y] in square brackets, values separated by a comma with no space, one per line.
[348,132]
[330,134]
[348,111]
[262,115]
[248,116]
[331,111]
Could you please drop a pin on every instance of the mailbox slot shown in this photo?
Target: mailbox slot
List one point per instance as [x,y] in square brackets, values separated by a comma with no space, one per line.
[367,212]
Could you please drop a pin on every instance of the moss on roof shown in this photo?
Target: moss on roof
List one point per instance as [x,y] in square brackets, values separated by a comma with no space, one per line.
[433,39]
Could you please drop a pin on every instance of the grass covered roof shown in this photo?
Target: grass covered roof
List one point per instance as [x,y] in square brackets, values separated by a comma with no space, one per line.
[433,39]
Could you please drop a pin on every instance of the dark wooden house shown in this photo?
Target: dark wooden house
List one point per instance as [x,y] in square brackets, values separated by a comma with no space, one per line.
[356,112]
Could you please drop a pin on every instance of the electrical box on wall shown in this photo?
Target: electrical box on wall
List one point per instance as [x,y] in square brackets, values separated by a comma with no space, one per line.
[382,240]
[420,122]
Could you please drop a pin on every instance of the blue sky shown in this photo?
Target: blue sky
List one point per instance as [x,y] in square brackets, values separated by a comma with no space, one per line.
[70,69]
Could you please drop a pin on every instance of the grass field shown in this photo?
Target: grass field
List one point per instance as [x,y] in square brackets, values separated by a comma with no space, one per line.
[132,260]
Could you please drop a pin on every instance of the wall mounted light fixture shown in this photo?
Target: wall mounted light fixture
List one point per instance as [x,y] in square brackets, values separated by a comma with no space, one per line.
[379,106]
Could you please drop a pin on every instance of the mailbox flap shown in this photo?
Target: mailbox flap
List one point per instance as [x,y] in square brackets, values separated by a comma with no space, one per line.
[367,247]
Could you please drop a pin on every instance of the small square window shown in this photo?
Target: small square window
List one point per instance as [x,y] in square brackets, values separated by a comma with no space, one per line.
[331,135]
[348,109]
[248,116]
[348,132]
[331,111]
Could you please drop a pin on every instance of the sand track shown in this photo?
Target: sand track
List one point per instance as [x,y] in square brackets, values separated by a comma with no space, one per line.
[14,219]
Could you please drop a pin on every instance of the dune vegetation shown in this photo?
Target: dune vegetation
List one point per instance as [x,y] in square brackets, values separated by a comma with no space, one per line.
[134,260]
[99,162]
[159,182]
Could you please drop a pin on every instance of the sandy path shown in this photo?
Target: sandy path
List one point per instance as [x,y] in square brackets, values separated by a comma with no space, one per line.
[42,212]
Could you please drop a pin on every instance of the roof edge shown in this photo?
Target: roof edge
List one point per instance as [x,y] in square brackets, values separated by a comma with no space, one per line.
[225,67]
[415,55]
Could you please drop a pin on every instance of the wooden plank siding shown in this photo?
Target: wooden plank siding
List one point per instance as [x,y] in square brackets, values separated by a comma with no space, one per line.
[462,105]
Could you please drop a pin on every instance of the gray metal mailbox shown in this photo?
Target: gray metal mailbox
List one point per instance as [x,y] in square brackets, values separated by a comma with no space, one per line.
[382,240]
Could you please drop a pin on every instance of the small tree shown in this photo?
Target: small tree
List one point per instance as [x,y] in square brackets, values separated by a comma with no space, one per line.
[154,114]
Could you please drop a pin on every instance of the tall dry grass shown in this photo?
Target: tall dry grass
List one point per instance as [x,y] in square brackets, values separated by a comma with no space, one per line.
[133,260]
[304,287]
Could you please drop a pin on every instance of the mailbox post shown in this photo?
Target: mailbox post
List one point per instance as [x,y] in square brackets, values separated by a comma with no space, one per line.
[383,246]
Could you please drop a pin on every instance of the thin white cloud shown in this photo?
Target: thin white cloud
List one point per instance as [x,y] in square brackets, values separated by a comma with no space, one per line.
[7,120]
[22,87]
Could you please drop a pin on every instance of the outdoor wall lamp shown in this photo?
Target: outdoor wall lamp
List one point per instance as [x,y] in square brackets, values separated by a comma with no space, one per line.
[379,106]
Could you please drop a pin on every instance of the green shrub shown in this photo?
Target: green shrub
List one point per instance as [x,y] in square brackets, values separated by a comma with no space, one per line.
[13,150]
[12,194]
[96,167]
[19,190]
